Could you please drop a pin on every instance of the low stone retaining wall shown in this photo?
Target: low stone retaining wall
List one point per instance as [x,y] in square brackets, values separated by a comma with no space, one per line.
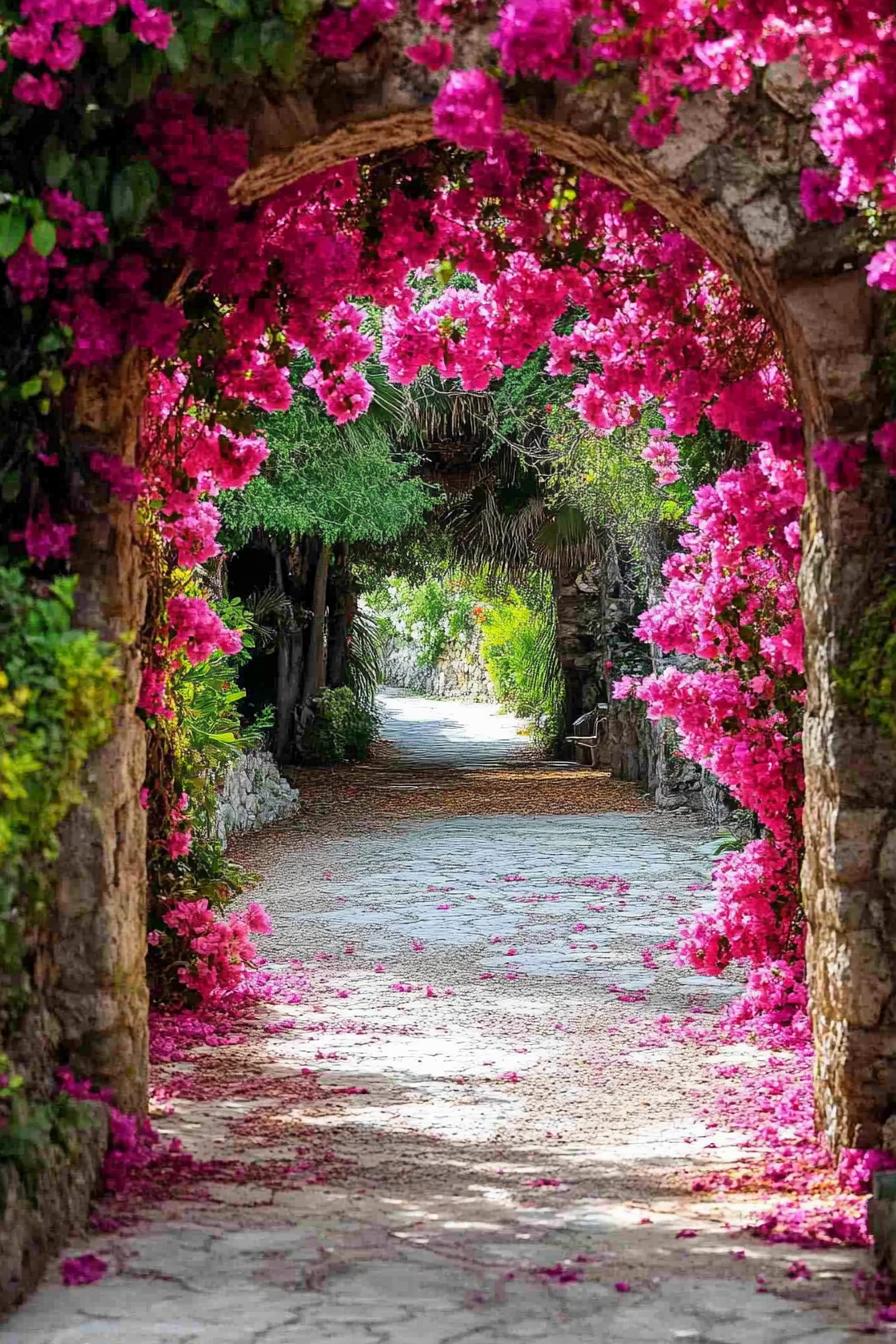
[37,1219]
[459,674]
[253,793]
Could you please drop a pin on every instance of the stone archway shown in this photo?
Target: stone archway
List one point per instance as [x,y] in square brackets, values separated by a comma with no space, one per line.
[728,179]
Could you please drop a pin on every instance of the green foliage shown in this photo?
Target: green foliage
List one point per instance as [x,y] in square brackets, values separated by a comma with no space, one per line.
[190,753]
[341,484]
[209,736]
[343,728]
[518,648]
[28,1126]
[432,615]
[58,690]
[364,657]
[869,681]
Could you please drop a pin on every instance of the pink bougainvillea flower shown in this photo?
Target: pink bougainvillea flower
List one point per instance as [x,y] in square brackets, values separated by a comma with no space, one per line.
[45,539]
[38,90]
[840,463]
[78,1270]
[433,52]
[884,440]
[258,919]
[469,109]
[340,32]
[881,268]
[127,483]
[198,630]
[154,27]
[818,196]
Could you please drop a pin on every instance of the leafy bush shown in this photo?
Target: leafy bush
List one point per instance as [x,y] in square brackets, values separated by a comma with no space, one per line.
[343,728]
[519,652]
[431,615]
[211,733]
[58,690]
[187,758]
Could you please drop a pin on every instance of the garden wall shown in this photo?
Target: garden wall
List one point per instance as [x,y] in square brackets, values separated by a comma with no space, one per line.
[597,613]
[253,793]
[459,674]
[42,1211]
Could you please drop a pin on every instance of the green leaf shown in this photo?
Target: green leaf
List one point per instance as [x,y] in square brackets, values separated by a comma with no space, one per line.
[200,26]
[51,341]
[246,48]
[234,9]
[295,11]
[87,178]
[176,54]
[12,484]
[121,200]
[279,46]
[145,66]
[57,162]
[116,45]
[32,387]
[133,194]
[13,223]
[43,237]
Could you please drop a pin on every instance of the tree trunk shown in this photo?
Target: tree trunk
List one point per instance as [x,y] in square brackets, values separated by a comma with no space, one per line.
[96,976]
[314,665]
[342,604]
[572,648]
[289,677]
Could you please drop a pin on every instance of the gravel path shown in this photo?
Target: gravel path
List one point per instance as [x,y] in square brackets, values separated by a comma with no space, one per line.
[486,1137]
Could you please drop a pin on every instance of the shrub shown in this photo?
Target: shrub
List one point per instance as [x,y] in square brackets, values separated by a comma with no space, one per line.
[58,690]
[343,728]
[431,615]
[519,653]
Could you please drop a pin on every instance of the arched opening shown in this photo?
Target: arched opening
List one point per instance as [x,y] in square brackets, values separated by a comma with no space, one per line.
[805,288]
[826,342]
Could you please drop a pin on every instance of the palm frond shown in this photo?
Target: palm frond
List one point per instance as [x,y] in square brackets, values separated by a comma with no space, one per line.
[364,656]
[269,611]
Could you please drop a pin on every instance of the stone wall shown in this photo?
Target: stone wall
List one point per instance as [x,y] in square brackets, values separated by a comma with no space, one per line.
[597,613]
[37,1219]
[253,793]
[459,674]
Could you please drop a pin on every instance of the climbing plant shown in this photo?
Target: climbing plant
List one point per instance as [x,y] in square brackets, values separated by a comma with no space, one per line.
[58,691]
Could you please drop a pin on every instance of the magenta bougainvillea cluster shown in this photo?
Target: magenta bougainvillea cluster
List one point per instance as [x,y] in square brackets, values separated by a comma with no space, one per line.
[731,601]
[222,298]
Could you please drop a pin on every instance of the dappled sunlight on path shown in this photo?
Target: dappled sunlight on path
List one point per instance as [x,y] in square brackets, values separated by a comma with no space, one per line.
[480,1123]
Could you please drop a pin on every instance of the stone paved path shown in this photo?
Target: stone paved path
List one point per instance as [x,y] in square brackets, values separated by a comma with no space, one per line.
[450,734]
[485,1140]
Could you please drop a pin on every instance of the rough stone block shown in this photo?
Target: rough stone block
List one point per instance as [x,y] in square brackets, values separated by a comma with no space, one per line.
[36,1221]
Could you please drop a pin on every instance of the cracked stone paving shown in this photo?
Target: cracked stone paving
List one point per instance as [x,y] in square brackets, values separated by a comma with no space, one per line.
[489,1142]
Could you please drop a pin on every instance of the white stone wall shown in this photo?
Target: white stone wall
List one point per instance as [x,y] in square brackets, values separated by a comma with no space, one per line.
[458,675]
[254,792]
